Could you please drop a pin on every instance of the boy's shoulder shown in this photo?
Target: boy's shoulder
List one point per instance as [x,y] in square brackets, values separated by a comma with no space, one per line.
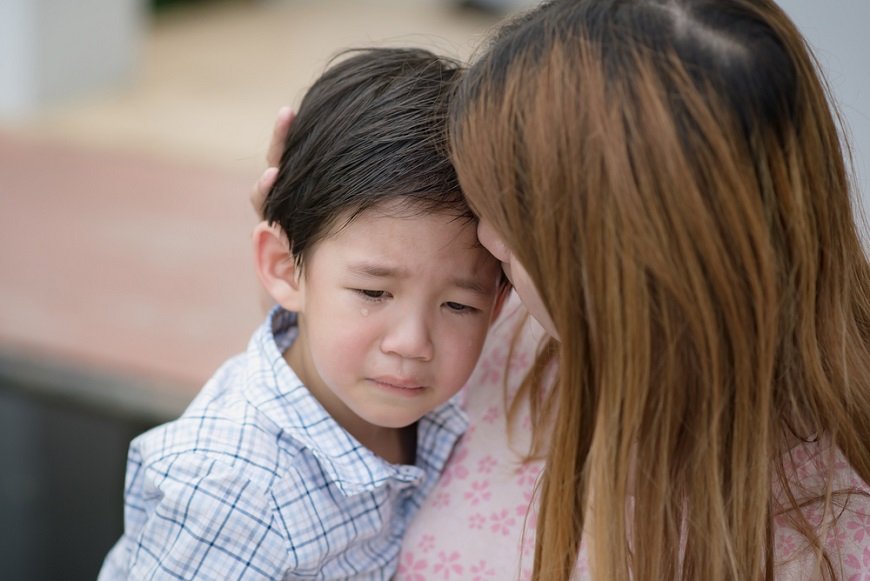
[221,424]
[239,417]
[256,418]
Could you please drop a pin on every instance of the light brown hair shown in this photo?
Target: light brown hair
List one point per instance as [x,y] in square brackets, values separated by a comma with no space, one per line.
[671,176]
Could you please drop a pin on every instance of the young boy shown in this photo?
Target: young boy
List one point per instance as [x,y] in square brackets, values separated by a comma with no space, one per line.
[307,455]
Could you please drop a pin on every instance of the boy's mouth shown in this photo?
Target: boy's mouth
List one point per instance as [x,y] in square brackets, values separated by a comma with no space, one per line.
[396,382]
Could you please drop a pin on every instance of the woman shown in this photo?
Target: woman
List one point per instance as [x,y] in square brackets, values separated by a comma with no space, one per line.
[665,186]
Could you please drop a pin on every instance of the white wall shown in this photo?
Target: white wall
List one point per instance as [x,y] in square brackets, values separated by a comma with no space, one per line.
[52,50]
[838,32]
[16,56]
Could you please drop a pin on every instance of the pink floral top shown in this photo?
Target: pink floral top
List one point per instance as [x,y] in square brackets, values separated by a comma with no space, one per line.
[479,521]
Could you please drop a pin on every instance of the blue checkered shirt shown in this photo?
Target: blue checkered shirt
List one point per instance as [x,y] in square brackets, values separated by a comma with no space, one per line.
[256,481]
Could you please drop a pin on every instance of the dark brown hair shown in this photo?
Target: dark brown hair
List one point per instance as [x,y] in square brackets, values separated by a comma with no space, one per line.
[670,174]
[370,129]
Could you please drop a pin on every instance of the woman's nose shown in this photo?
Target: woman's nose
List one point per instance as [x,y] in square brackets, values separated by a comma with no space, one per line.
[490,240]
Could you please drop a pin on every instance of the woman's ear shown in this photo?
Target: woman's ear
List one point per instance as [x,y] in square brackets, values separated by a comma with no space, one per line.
[276,267]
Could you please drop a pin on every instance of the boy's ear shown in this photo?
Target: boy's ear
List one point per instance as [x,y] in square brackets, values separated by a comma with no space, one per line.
[276,268]
[503,293]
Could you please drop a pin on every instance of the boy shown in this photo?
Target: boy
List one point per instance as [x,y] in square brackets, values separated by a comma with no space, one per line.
[307,455]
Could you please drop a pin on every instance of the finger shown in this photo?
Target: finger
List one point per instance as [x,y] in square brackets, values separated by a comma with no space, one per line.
[279,135]
[262,188]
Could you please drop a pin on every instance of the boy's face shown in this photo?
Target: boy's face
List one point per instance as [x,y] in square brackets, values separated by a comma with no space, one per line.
[394,310]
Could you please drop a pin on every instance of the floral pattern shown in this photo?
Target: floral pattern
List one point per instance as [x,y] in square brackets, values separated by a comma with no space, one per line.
[479,522]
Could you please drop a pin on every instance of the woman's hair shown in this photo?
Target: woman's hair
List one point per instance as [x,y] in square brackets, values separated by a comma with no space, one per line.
[670,174]
[372,128]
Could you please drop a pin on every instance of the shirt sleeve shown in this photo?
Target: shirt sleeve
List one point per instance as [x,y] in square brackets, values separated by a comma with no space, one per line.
[194,517]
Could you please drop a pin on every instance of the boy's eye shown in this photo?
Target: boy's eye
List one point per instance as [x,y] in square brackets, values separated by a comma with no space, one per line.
[371,294]
[459,307]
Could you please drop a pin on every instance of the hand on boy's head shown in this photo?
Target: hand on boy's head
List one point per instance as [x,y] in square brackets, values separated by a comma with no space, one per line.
[279,135]
[261,189]
[273,158]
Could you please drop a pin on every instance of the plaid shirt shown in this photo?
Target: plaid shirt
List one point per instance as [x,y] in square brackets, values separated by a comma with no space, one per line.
[257,481]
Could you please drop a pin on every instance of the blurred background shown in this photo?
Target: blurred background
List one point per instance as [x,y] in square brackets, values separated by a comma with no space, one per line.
[131,132]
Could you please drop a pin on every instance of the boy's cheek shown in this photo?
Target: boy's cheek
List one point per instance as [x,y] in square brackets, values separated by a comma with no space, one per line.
[466,350]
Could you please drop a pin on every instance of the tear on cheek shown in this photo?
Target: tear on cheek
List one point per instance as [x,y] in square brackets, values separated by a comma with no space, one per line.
[364,312]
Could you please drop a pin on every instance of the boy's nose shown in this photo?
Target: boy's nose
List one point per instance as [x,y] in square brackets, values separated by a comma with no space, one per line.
[409,337]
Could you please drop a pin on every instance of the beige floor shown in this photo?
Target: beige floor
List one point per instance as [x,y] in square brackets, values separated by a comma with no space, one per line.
[124,216]
[213,74]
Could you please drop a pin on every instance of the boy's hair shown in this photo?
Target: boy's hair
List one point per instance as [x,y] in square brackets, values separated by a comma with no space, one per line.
[372,128]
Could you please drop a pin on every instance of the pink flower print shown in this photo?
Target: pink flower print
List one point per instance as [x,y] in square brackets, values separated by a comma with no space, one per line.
[527,474]
[448,564]
[528,516]
[482,571]
[476,521]
[519,361]
[411,568]
[486,464]
[491,414]
[836,538]
[528,544]
[862,569]
[794,459]
[854,481]
[786,545]
[493,366]
[840,463]
[501,522]
[861,525]
[455,467]
[442,500]
[526,423]
[800,454]
[805,472]
[813,514]
[479,492]
[427,543]
[528,511]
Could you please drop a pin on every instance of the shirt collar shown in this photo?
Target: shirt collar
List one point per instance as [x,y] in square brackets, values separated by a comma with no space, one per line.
[276,390]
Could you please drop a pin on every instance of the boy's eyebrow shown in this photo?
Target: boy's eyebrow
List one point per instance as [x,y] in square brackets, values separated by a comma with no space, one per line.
[377,270]
[373,270]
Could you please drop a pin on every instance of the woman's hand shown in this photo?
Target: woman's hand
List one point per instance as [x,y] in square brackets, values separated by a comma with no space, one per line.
[273,158]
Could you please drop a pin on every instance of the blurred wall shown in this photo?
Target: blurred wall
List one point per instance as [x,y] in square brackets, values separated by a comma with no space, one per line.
[837,32]
[57,49]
